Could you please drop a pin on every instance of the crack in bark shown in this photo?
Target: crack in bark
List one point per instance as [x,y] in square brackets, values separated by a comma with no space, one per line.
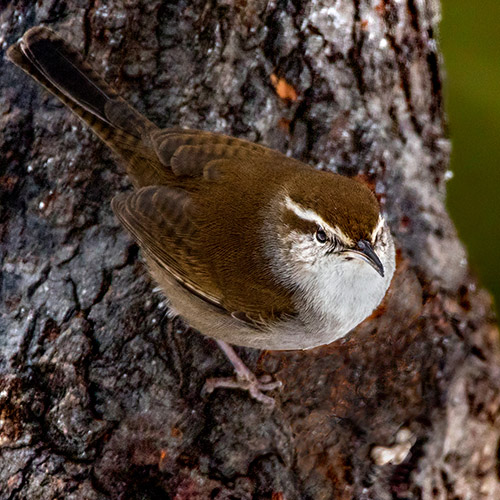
[401,61]
[87,26]
[76,300]
[436,107]
[307,99]
[413,11]
[21,355]
[355,58]
[424,35]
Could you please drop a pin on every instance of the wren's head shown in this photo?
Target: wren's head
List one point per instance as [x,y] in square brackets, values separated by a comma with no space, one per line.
[334,248]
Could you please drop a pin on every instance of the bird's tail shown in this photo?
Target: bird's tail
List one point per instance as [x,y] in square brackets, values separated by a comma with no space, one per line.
[56,65]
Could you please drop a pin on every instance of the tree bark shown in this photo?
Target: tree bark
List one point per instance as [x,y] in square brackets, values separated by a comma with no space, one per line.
[100,394]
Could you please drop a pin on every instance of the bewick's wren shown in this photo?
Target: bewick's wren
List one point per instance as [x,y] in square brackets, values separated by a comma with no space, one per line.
[249,246]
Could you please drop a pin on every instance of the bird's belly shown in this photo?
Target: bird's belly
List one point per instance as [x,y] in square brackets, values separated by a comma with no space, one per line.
[329,316]
[290,334]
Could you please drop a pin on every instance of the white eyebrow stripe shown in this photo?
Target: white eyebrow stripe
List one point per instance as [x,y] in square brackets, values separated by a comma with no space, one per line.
[312,216]
[381,222]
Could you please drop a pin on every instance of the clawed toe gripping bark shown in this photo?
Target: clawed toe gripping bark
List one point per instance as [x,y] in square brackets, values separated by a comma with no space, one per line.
[244,379]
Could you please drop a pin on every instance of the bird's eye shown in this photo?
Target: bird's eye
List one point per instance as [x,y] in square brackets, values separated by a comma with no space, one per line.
[321,236]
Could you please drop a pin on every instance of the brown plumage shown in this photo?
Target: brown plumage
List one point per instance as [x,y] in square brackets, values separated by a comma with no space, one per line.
[180,177]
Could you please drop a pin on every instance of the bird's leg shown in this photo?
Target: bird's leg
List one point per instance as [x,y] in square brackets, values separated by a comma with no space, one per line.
[244,379]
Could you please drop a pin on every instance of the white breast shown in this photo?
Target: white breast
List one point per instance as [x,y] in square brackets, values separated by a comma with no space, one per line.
[346,294]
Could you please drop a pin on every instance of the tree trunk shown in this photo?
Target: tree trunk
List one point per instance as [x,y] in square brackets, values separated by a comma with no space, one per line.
[100,394]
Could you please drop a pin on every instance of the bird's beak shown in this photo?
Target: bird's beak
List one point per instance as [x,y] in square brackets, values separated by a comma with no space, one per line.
[365,252]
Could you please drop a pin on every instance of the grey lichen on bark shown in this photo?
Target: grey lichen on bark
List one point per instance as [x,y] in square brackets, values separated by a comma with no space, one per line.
[100,394]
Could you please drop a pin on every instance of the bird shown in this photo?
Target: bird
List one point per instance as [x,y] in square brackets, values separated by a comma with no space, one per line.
[249,246]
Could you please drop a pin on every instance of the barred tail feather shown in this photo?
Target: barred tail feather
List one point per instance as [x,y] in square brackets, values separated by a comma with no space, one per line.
[62,71]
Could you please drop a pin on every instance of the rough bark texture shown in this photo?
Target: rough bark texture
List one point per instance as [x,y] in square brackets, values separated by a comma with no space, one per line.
[100,395]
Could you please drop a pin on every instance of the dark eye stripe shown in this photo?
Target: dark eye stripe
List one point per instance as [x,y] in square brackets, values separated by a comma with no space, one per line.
[335,246]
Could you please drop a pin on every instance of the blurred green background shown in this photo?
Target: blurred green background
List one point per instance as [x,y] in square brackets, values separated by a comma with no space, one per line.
[470,41]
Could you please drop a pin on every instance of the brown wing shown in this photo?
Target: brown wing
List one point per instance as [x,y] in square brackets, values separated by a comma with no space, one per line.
[187,151]
[160,220]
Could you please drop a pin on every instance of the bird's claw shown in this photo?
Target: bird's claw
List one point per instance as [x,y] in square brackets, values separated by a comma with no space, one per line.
[250,383]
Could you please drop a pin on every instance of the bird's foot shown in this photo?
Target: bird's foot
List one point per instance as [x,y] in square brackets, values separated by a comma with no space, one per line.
[244,379]
[254,386]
